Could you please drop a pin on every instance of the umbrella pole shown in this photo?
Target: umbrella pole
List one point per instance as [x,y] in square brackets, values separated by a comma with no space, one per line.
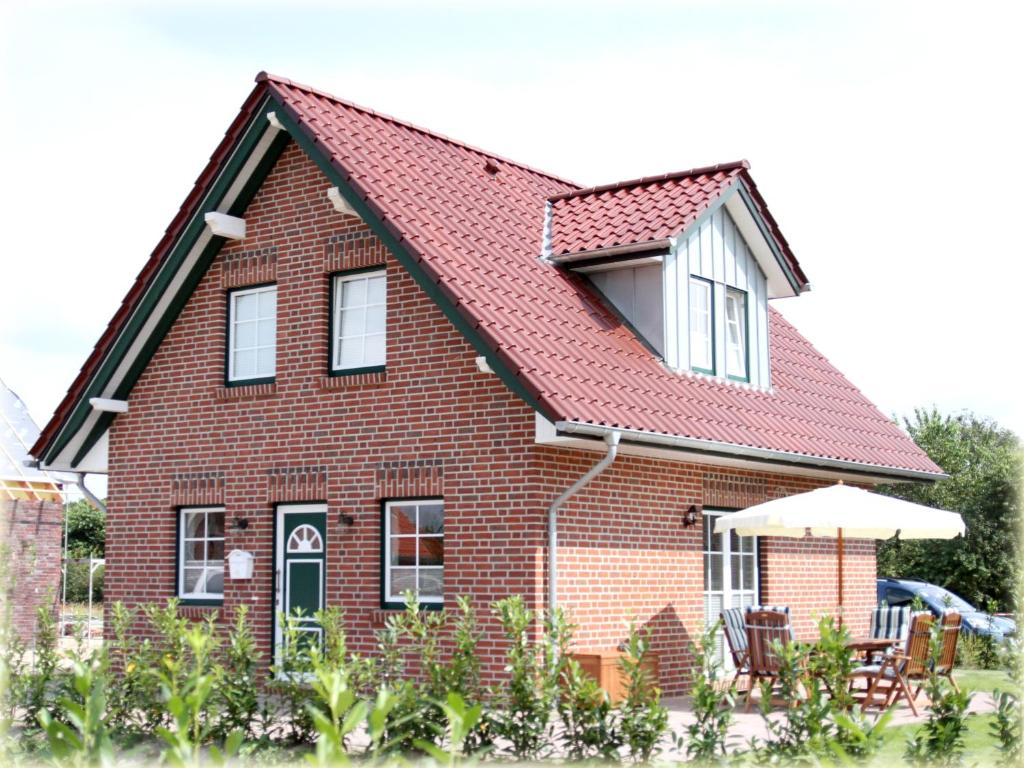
[840,580]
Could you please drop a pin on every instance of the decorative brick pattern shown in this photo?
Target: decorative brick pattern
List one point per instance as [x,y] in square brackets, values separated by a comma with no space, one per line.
[355,248]
[433,426]
[724,491]
[197,489]
[417,477]
[246,391]
[296,483]
[30,534]
[354,380]
[249,268]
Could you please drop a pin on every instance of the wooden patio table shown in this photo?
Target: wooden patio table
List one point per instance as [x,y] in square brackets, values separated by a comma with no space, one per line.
[867,647]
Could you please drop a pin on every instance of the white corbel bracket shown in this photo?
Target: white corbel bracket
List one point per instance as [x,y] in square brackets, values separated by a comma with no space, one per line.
[108,406]
[222,225]
[340,203]
[274,122]
[482,365]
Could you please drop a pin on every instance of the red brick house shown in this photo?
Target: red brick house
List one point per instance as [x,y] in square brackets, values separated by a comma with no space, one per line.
[374,357]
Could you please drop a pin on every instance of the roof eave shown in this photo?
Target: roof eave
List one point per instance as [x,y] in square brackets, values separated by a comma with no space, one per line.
[876,472]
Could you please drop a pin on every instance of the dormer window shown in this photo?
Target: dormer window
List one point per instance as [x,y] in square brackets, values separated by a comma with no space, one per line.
[702,328]
[736,334]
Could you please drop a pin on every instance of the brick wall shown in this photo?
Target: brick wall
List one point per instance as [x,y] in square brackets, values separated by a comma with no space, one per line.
[31,534]
[432,424]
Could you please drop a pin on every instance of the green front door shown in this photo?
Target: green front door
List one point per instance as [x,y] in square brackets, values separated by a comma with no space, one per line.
[301,562]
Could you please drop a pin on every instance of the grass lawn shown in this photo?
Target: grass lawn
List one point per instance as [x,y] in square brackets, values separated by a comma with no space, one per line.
[980,744]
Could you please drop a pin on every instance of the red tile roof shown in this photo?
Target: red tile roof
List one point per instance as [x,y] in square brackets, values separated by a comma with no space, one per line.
[477,234]
[649,210]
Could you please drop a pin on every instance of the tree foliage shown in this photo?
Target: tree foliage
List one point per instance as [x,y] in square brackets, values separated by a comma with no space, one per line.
[984,463]
[86,529]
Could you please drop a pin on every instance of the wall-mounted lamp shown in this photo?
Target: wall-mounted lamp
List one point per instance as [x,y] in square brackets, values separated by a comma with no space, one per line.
[690,516]
[346,520]
[241,523]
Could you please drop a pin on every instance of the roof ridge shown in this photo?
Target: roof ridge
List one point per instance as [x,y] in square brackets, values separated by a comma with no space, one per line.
[645,180]
[266,76]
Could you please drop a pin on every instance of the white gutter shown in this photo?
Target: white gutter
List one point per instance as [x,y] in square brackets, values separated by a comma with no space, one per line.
[728,449]
[611,438]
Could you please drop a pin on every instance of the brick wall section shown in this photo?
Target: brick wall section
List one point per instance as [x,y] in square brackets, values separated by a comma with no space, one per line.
[624,553]
[432,424]
[31,534]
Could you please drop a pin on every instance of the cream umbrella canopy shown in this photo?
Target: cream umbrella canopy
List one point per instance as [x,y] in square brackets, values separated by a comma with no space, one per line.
[842,511]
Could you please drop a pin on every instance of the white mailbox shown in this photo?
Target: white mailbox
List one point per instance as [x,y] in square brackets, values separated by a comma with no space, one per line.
[240,563]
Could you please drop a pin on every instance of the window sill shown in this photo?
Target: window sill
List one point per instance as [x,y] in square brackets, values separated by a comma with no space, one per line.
[243,391]
[198,609]
[355,378]
[380,616]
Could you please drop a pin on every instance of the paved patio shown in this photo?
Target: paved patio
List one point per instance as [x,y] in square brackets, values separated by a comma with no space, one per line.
[751,724]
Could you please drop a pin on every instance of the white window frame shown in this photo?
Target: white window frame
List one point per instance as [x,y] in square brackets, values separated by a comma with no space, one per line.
[742,324]
[232,298]
[386,559]
[336,309]
[183,512]
[708,286]
[727,591]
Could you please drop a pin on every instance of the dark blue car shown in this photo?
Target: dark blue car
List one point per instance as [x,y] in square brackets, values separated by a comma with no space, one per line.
[903,591]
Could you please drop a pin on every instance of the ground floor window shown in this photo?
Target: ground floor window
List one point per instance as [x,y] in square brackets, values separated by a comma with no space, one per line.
[201,553]
[730,575]
[413,551]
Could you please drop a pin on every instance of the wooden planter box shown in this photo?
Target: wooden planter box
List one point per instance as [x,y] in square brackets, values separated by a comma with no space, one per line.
[603,666]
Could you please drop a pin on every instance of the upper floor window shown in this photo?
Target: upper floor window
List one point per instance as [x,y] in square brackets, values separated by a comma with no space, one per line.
[736,334]
[358,318]
[252,334]
[702,326]
[413,551]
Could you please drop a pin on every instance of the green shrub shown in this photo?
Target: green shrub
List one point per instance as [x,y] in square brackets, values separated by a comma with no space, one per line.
[526,700]
[41,682]
[1006,727]
[335,712]
[289,682]
[78,735]
[76,574]
[590,725]
[238,690]
[978,652]
[940,740]
[707,735]
[643,718]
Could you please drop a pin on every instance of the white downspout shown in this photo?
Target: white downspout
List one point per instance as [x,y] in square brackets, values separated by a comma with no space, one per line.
[89,495]
[612,440]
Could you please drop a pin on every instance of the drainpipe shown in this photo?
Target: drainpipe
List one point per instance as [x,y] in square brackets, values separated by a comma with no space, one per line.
[89,495]
[612,440]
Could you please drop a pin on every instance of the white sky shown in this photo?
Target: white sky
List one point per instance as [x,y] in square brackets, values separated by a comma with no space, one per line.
[885,138]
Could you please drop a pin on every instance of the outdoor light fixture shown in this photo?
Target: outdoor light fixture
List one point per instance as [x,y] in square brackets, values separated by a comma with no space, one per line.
[241,523]
[346,520]
[690,516]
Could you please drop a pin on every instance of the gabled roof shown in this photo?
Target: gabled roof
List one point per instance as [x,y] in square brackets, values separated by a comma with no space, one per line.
[468,225]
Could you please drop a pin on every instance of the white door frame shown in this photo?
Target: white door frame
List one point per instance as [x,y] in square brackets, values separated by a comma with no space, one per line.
[282,510]
[727,590]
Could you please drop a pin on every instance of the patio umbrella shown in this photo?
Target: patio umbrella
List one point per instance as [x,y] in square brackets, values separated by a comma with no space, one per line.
[842,511]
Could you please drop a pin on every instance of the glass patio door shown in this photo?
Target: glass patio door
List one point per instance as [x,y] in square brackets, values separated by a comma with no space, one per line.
[730,576]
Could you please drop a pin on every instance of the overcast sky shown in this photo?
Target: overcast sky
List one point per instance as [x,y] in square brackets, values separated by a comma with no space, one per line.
[885,137]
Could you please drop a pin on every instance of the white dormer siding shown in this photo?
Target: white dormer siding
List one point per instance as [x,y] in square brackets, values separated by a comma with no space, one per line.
[716,252]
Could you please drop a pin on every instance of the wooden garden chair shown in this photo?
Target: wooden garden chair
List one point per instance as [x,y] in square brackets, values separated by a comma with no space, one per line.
[951,625]
[764,629]
[889,680]
[734,626]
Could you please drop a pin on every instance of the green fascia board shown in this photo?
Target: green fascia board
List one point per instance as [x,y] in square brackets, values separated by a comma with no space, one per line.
[411,262]
[165,274]
[738,187]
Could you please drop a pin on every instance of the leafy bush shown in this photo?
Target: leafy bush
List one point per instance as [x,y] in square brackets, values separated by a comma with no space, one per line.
[940,741]
[978,652]
[78,736]
[707,740]
[289,680]
[590,725]
[525,702]
[644,719]
[238,689]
